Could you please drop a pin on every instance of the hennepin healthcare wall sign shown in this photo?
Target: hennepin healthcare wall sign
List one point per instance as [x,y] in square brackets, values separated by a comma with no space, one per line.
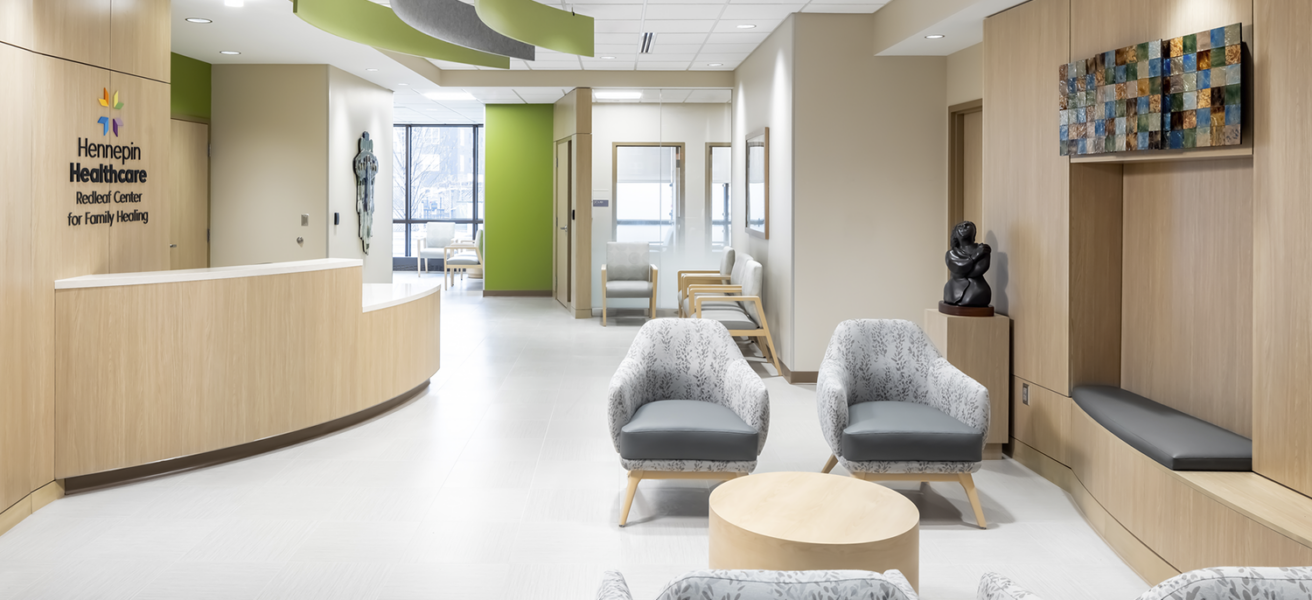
[108,173]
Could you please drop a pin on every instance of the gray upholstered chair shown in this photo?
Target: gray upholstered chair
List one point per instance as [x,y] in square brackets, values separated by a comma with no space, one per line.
[772,585]
[436,237]
[684,404]
[737,306]
[720,277]
[457,261]
[893,409]
[1221,583]
[628,273]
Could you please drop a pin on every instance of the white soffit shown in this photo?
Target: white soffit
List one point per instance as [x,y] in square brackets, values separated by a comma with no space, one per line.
[960,30]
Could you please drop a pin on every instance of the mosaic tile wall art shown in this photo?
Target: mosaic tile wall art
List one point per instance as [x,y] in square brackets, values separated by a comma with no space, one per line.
[1180,93]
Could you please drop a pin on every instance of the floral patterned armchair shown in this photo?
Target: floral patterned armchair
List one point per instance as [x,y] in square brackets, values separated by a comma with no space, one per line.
[1220,583]
[772,585]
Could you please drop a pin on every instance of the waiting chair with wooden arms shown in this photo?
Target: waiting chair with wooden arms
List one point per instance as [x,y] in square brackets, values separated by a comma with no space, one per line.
[737,306]
[684,404]
[460,259]
[628,273]
[893,409]
[720,277]
[436,238]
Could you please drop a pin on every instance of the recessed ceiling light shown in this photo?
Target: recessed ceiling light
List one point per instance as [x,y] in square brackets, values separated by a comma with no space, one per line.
[229,52]
[198,20]
[371,69]
[402,84]
[457,96]
[608,58]
[236,3]
[935,36]
[746,26]
[618,95]
[715,65]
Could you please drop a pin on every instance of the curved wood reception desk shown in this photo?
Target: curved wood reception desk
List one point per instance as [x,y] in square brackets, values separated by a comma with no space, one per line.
[158,366]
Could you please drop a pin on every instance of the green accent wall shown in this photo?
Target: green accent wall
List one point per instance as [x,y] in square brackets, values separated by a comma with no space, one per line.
[190,89]
[518,197]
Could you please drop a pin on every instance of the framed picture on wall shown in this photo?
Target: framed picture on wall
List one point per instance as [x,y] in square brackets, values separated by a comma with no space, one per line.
[758,183]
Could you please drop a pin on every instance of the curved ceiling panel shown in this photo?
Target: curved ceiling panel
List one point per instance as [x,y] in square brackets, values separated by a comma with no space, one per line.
[374,25]
[456,22]
[540,25]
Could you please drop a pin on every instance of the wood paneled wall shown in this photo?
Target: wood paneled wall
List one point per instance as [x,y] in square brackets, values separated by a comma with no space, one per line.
[1282,220]
[152,372]
[1026,186]
[1187,333]
[57,57]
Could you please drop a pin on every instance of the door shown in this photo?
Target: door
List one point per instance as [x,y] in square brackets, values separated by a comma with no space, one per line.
[189,186]
[966,202]
[564,188]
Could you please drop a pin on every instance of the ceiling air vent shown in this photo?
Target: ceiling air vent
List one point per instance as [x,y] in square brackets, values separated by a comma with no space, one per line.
[647,39]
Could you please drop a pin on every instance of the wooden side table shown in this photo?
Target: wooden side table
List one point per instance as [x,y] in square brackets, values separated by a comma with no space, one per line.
[813,521]
[981,348]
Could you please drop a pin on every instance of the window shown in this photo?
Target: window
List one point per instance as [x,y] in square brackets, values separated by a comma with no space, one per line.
[719,194]
[647,193]
[438,178]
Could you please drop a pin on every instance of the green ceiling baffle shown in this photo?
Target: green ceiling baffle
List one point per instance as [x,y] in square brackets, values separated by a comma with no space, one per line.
[540,25]
[376,25]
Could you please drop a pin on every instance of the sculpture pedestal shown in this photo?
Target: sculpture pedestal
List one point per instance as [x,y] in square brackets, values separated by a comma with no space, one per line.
[965,311]
[981,348]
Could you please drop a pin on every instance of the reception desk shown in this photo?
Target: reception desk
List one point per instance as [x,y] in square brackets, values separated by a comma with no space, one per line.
[172,369]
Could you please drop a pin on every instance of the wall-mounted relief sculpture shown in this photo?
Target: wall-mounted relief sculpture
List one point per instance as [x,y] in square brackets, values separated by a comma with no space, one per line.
[1175,94]
[366,168]
[966,294]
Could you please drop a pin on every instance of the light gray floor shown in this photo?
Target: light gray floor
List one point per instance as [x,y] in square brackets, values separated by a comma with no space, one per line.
[501,482]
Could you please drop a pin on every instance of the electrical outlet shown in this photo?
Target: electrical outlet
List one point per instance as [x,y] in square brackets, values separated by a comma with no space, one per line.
[1025,394]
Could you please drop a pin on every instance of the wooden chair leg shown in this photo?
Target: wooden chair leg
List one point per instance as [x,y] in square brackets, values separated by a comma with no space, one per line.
[968,482]
[603,307]
[634,478]
[830,464]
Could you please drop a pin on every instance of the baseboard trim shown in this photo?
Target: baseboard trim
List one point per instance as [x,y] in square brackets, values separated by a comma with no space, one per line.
[96,481]
[525,293]
[30,503]
[1137,555]
[798,377]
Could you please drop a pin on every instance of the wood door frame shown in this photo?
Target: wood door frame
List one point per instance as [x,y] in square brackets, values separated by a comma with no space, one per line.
[956,158]
[710,220]
[615,172]
[569,224]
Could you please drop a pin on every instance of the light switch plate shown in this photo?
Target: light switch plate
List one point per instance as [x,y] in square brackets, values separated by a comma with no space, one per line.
[1025,394]
[305,219]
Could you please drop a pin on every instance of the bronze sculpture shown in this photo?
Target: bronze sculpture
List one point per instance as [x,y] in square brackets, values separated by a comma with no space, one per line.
[967,262]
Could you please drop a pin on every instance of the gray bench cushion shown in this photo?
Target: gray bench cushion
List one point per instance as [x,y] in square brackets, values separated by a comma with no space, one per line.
[1176,440]
[893,431]
[686,430]
[628,289]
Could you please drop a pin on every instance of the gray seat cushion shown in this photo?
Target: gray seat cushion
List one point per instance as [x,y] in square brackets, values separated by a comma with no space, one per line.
[628,289]
[463,259]
[688,306]
[686,430]
[895,431]
[1176,440]
[729,315]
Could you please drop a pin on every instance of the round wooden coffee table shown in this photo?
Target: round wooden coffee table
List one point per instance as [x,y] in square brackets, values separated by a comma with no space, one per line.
[813,521]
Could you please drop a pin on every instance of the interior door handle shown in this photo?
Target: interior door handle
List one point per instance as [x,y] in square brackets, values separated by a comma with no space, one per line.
[564,229]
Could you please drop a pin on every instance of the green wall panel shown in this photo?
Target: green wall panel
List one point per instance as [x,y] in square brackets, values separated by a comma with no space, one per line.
[518,192]
[189,94]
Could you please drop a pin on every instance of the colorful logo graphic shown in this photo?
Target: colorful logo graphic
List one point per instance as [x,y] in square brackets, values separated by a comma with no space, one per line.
[106,122]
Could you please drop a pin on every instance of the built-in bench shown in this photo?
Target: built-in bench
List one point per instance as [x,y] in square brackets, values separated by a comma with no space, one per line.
[1178,441]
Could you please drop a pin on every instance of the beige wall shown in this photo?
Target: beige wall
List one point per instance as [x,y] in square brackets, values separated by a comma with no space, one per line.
[871,184]
[763,97]
[966,75]
[354,107]
[268,153]
[693,125]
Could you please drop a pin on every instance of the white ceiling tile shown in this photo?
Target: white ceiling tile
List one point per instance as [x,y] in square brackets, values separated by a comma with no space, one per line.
[729,48]
[662,66]
[702,66]
[660,48]
[617,38]
[736,38]
[609,11]
[618,57]
[841,8]
[609,26]
[678,26]
[777,12]
[616,49]
[683,11]
[679,38]
[646,58]
[762,25]
[720,58]
[609,65]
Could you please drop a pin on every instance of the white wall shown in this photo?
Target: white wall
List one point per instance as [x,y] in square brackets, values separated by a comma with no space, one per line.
[763,97]
[871,182]
[694,125]
[966,75]
[268,159]
[354,107]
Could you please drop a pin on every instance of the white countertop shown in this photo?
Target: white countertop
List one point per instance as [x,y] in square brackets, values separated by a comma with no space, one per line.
[150,277]
[383,295]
